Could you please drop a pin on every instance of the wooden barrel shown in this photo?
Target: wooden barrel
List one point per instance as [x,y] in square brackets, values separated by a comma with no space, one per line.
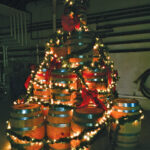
[84,118]
[42,93]
[127,137]
[62,80]
[44,96]
[27,120]
[78,43]
[45,109]
[58,126]
[93,79]
[79,60]
[60,51]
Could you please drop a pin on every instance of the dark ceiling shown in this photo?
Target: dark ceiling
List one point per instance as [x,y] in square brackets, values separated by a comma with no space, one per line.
[18,4]
[21,4]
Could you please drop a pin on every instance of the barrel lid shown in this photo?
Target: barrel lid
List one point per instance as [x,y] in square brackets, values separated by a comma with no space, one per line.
[25,108]
[125,102]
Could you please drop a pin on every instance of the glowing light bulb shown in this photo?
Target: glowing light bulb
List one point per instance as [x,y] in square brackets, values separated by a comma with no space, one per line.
[47,44]
[71,3]
[59,31]
[102,45]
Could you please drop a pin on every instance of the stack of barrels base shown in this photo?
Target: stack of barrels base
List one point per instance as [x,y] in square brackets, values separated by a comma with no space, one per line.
[58,126]
[42,93]
[27,120]
[84,118]
[127,135]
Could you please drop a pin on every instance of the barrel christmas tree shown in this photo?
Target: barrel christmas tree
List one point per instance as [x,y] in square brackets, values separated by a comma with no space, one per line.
[74,87]
[79,54]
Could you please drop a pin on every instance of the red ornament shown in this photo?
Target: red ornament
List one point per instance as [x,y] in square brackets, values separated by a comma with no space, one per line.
[77,26]
[70,23]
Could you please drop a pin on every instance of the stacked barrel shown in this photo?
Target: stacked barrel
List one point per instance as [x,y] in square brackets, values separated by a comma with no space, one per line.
[42,93]
[63,82]
[126,135]
[84,118]
[94,78]
[79,60]
[81,54]
[26,120]
[58,126]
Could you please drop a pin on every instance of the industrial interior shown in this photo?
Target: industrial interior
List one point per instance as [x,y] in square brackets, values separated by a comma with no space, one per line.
[26,27]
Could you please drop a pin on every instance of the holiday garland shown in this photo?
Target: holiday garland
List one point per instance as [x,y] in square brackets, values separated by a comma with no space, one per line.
[75,11]
[98,127]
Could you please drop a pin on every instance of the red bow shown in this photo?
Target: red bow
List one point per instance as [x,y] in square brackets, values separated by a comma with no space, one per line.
[88,95]
[54,64]
[69,23]
[26,84]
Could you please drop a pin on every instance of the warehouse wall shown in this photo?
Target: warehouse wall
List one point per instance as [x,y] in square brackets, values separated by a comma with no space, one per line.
[126,34]
[107,5]
[130,66]
[129,51]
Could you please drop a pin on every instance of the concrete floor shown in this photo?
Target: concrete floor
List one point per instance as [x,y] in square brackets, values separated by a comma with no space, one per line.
[99,144]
